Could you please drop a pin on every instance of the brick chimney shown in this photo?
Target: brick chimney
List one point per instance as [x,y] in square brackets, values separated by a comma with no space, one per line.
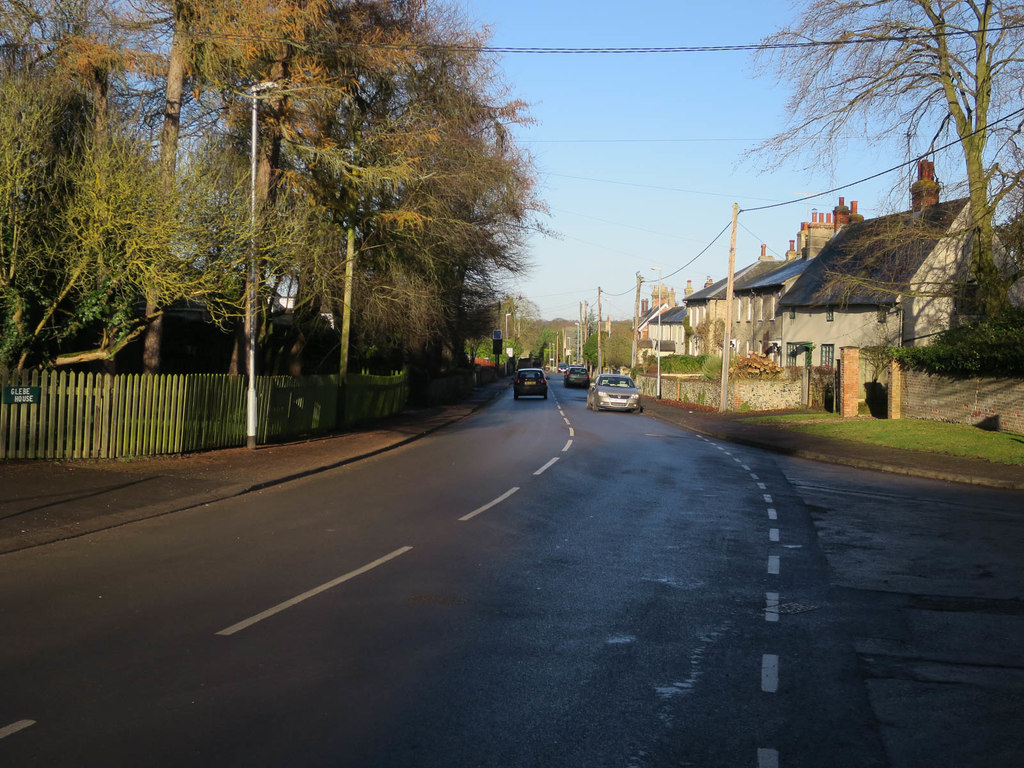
[854,216]
[841,214]
[925,191]
[689,288]
[645,306]
[792,253]
[764,254]
[709,282]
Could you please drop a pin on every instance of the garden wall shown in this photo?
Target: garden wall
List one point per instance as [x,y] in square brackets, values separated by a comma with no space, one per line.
[744,394]
[991,403]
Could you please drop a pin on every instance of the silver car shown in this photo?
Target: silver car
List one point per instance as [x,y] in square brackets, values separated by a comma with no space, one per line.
[614,392]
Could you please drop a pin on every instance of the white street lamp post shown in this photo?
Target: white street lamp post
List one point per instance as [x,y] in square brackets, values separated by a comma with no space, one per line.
[250,297]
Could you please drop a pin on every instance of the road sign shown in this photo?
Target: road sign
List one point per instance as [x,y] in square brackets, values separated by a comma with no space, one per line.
[21,395]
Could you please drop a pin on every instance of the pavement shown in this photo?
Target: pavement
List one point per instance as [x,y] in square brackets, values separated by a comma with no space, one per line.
[46,501]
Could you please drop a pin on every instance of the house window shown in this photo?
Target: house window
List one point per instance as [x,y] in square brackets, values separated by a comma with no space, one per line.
[829,316]
[828,355]
[769,311]
[794,349]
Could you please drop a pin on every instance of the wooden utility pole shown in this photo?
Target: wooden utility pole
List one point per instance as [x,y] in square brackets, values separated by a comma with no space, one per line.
[579,337]
[724,404]
[346,302]
[636,318]
[600,358]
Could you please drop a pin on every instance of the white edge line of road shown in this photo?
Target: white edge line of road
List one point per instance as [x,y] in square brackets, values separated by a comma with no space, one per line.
[489,504]
[311,593]
[546,466]
[9,730]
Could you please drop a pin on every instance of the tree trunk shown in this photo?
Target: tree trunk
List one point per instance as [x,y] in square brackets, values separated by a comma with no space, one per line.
[175,88]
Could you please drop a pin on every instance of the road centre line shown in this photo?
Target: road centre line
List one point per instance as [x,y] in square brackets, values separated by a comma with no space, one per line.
[768,498]
[13,728]
[572,432]
[767,758]
[489,504]
[769,673]
[565,420]
[773,534]
[771,606]
[772,514]
[311,593]
[569,443]
[546,466]
[773,565]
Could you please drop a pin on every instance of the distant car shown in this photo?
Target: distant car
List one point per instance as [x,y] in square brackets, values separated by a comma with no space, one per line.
[614,392]
[530,381]
[577,376]
[562,368]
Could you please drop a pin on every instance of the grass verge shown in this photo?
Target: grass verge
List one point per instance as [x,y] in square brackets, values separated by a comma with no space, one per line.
[912,435]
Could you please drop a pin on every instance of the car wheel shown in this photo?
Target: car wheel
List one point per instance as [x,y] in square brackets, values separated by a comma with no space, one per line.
[545,395]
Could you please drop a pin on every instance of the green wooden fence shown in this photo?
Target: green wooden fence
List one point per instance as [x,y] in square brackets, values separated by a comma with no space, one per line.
[69,415]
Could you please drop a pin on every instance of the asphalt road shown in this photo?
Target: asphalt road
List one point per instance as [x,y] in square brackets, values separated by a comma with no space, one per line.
[537,585]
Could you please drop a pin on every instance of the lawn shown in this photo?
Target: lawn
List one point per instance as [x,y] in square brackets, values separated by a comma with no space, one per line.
[911,435]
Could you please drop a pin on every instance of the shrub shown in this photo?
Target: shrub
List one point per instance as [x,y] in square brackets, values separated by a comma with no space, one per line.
[711,368]
[682,363]
[994,347]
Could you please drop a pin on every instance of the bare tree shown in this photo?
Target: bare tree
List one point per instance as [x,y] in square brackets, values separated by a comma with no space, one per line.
[929,73]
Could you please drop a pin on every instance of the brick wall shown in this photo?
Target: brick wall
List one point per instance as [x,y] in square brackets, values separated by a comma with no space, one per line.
[989,403]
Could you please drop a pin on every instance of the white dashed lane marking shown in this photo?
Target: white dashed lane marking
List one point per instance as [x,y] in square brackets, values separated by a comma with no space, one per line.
[771,606]
[547,466]
[13,728]
[489,504]
[769,673]
[311,593]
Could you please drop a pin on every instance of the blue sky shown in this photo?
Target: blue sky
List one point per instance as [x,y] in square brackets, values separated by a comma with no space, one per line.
[641,156]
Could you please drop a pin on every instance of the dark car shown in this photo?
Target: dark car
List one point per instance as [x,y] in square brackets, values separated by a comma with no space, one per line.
[530,381]
[562,368]
[577,376]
